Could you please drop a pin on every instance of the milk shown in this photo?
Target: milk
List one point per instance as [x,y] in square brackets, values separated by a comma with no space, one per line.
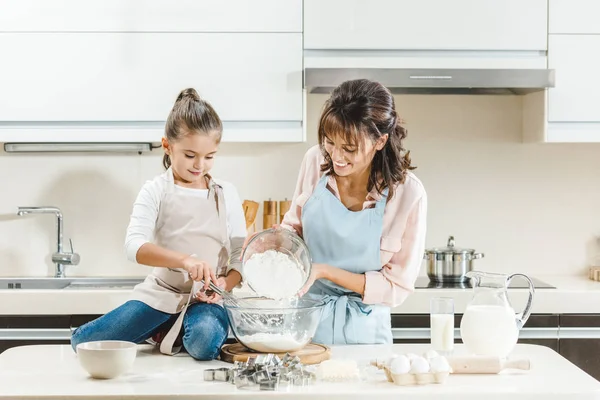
[489,330]
[442,332]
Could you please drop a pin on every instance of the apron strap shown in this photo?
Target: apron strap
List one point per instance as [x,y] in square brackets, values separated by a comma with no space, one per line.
[223,261]
[167,346]
[344,307]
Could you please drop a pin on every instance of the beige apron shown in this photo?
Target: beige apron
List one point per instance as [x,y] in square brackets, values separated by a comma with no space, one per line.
[190,225]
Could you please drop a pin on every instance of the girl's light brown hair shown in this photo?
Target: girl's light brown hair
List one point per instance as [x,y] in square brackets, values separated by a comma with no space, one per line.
[362,109]
[191,114]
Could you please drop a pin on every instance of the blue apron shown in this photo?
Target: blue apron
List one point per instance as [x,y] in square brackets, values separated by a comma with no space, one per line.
[349,240]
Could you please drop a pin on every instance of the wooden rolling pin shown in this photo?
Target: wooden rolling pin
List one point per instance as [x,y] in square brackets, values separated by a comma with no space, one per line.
[485,365]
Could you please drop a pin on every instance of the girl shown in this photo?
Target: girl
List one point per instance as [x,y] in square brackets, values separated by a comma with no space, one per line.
[190,228]
[362,214]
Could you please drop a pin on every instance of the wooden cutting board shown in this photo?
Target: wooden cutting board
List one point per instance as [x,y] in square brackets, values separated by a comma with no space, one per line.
[312,353]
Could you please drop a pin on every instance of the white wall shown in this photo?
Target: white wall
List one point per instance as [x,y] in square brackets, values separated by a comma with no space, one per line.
[529,208]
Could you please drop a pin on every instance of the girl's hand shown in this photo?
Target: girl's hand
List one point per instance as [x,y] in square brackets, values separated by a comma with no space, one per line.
[208,296]
[317,272]
[199,270]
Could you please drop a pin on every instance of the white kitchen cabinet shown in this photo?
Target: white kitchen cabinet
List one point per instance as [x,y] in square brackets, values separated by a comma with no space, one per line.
[569,111]
[574,16]
[576,96]
[137,76]
[151,15]
[426,24]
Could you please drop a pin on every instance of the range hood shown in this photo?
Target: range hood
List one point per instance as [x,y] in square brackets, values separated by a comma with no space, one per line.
[436,81]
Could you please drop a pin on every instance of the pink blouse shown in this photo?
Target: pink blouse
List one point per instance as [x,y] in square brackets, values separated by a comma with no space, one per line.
[403,237]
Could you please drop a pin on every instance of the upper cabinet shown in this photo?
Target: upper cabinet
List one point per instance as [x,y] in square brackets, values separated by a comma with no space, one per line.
[137,76]
[426,24]
[572,113]
[576,96]
[574,17]
[151,16]
[82,67]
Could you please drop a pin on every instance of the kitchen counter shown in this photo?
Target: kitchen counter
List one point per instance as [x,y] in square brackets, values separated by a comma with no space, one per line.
[573,294]
[53,371]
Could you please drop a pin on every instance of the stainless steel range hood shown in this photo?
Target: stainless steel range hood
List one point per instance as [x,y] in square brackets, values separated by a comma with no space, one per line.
[436,81]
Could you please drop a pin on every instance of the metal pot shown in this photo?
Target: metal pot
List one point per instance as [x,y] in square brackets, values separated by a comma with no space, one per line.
[450,264]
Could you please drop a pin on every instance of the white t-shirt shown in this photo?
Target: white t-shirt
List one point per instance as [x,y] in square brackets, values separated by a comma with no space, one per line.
[143,218]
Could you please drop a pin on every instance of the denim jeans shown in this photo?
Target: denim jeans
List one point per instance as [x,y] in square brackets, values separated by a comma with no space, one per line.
[205,327]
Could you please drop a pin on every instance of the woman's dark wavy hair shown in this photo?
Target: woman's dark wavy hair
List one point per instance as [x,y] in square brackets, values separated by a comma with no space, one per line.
[362,109]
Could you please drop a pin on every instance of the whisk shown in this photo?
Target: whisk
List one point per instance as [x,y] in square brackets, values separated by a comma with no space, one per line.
[235,302]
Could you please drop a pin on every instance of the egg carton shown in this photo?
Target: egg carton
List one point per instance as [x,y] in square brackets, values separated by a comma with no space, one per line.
[409,378]
[416,379]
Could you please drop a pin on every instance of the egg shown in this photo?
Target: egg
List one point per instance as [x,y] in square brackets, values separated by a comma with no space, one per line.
[411,356]
[419,365]
[389,360]
[431,354]
[400,365]
[439,364]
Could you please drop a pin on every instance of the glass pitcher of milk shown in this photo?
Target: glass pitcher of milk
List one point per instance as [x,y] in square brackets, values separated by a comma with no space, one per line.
[490,326]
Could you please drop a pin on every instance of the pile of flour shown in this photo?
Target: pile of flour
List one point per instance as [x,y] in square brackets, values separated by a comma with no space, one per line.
[272,342]
[274,275]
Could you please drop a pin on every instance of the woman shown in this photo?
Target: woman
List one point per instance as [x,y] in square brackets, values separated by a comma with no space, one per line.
[362,214]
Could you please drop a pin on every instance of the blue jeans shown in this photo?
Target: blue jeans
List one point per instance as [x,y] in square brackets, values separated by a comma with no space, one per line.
[205,327]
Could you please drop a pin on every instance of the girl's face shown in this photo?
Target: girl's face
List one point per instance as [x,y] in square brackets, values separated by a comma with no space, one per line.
[192,157]
[350,159]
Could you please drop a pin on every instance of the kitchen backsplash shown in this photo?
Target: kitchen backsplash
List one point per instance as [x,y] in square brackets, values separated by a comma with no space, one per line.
[529,207]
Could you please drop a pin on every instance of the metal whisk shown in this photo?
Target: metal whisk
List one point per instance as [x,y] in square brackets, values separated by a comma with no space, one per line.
[236,302]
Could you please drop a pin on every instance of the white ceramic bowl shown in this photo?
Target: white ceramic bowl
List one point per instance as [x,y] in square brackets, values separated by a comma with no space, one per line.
[106,359]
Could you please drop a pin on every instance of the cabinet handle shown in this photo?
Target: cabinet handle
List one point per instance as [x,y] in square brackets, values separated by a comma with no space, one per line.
[579,333]
[525,333]
[35,334]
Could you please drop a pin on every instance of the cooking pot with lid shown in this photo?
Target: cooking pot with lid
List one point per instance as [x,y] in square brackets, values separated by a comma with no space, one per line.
[450,264]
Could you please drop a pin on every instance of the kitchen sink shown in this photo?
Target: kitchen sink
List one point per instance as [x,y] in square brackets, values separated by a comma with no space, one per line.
[74,283]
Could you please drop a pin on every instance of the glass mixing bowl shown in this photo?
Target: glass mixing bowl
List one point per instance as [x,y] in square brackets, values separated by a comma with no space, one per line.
[271,326]
[284,241]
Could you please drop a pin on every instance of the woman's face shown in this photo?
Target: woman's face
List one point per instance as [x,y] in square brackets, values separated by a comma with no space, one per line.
[351,159]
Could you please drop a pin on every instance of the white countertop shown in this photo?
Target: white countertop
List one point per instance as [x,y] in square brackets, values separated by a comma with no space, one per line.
[39,372]
[574,294]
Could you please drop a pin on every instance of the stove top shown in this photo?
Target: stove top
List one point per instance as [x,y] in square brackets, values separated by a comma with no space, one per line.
[423,282]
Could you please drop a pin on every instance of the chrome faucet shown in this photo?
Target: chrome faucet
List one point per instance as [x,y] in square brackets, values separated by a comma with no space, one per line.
[60,258]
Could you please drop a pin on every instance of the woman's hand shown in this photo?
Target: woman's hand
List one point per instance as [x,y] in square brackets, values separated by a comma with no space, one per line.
[209,296]
[317,271]
[199,270]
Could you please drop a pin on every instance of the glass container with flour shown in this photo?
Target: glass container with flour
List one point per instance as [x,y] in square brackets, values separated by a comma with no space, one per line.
[490,325]
[276,264]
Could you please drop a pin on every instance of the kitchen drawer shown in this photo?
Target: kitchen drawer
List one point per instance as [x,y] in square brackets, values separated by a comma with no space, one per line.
[551,343]
[103,77]
[423,321]
[426,24]
[574,16]
[540,329]
[34,321]
[151,16]
[583,353]
[576,96]
[580,321]
[78,320]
